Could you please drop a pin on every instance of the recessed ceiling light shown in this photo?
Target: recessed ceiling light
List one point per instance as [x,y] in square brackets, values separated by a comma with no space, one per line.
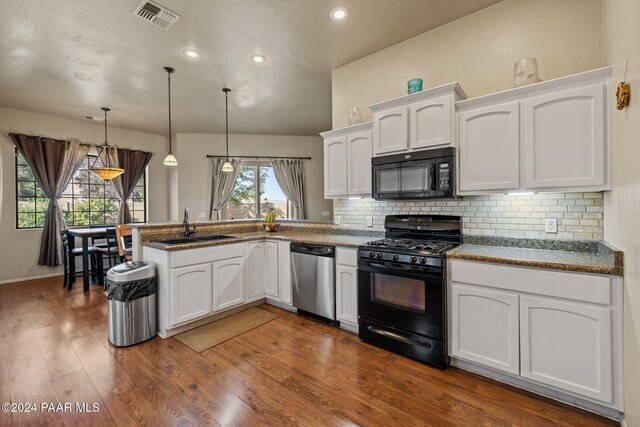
[339,14]
[191,53]
[258,58]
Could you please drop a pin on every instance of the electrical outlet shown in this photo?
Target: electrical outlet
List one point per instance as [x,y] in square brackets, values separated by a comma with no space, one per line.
[336,219]
[551,225]
[325,213]
[202,215]
[369,221]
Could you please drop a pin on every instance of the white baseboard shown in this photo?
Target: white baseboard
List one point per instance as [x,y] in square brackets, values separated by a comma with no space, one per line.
[26,279]
[281,305]
[554,394]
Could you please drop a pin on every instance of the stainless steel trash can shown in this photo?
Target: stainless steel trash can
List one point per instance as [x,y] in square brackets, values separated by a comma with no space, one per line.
[131,291]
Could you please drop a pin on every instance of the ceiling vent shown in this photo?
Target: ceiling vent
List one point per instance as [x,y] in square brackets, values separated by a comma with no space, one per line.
[156,14]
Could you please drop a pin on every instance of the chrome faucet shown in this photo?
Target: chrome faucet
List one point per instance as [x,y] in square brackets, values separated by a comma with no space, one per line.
[188,231]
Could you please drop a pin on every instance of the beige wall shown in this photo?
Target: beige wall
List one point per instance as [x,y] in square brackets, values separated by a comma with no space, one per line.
[478,51]
[621,41]
[567,36]
[19,249]
[194,169]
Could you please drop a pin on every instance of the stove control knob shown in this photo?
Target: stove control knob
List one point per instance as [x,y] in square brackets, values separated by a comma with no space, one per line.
[423,260]
[372,254]
[414,259]
[379,255]
[395,257]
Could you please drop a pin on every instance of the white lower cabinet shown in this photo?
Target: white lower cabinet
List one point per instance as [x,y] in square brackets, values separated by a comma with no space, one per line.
[255,271]
[347,288]
[272,287]
[347,294]
[228,283]
[485,327]
[190,293]
[284,272]
[567,345]
[557,330]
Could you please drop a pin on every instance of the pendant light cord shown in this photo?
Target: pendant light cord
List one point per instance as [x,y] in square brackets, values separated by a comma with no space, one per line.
[226,113]
[169,88]
[105,126]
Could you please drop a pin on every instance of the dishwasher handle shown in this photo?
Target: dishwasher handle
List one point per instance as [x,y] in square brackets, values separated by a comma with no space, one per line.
[312,249]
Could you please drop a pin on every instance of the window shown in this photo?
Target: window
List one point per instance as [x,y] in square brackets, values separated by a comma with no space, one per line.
[87,199]
[255,192]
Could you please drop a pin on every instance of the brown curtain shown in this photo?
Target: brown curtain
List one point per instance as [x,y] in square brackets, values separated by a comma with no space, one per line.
[133,162]
[46,157]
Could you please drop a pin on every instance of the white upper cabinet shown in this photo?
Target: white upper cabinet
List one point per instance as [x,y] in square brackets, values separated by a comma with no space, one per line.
[489,155]
[565,139]
[416,122]
[335,167]
[431,124]
[390,130]
[549,136]
[347,161]
[359,163]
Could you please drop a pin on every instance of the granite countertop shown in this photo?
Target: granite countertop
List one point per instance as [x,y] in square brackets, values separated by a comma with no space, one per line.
[343,240]
[604,260]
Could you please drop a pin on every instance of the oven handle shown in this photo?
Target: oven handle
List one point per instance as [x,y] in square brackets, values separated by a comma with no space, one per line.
[374,267]
[398,337]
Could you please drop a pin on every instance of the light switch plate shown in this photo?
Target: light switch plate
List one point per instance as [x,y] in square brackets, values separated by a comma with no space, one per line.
[551,225]
[369,221]
[336,219]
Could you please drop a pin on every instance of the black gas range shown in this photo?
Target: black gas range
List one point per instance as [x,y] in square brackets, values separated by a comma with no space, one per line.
[402,286]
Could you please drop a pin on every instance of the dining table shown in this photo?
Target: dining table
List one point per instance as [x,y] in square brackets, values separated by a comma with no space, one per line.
[85,234]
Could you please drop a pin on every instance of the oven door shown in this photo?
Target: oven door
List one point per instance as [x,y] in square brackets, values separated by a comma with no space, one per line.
[406,297]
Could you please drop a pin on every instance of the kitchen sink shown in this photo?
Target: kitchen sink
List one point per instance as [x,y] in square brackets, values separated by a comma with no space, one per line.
[184,240]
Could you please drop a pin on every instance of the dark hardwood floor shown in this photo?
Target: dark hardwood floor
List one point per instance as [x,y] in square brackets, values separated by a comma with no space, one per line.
[291,371]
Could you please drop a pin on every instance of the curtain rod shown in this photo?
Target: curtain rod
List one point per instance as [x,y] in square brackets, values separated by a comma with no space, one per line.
[86,144]
[209,156]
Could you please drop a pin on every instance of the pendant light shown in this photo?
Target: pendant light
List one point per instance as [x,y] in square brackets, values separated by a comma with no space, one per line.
[170,160]
[106,172]
[227,166]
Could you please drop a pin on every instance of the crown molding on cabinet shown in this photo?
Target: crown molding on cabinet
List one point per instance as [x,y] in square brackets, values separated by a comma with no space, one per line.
[360,127]
[419,96]
[564,82]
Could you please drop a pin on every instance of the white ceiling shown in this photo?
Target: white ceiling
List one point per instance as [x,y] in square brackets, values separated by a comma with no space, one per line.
[70,57]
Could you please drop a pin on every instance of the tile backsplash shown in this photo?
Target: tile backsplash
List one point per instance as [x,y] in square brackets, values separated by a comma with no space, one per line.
[579,215]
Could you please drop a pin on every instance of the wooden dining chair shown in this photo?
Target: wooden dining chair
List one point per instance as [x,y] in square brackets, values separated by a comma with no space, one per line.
[110,250]
[123,234]
[69,254]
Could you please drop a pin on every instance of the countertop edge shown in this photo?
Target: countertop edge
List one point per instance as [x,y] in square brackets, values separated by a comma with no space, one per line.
[240,239]
[580,268]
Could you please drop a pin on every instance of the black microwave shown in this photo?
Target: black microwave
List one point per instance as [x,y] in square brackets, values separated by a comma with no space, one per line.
[418,175]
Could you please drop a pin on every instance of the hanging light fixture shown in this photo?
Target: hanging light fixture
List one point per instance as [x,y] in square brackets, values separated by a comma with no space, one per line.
[227,166]
[170,160]
[106,172]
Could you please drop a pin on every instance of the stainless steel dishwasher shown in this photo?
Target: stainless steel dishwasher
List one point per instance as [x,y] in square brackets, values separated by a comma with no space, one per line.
[313,279]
